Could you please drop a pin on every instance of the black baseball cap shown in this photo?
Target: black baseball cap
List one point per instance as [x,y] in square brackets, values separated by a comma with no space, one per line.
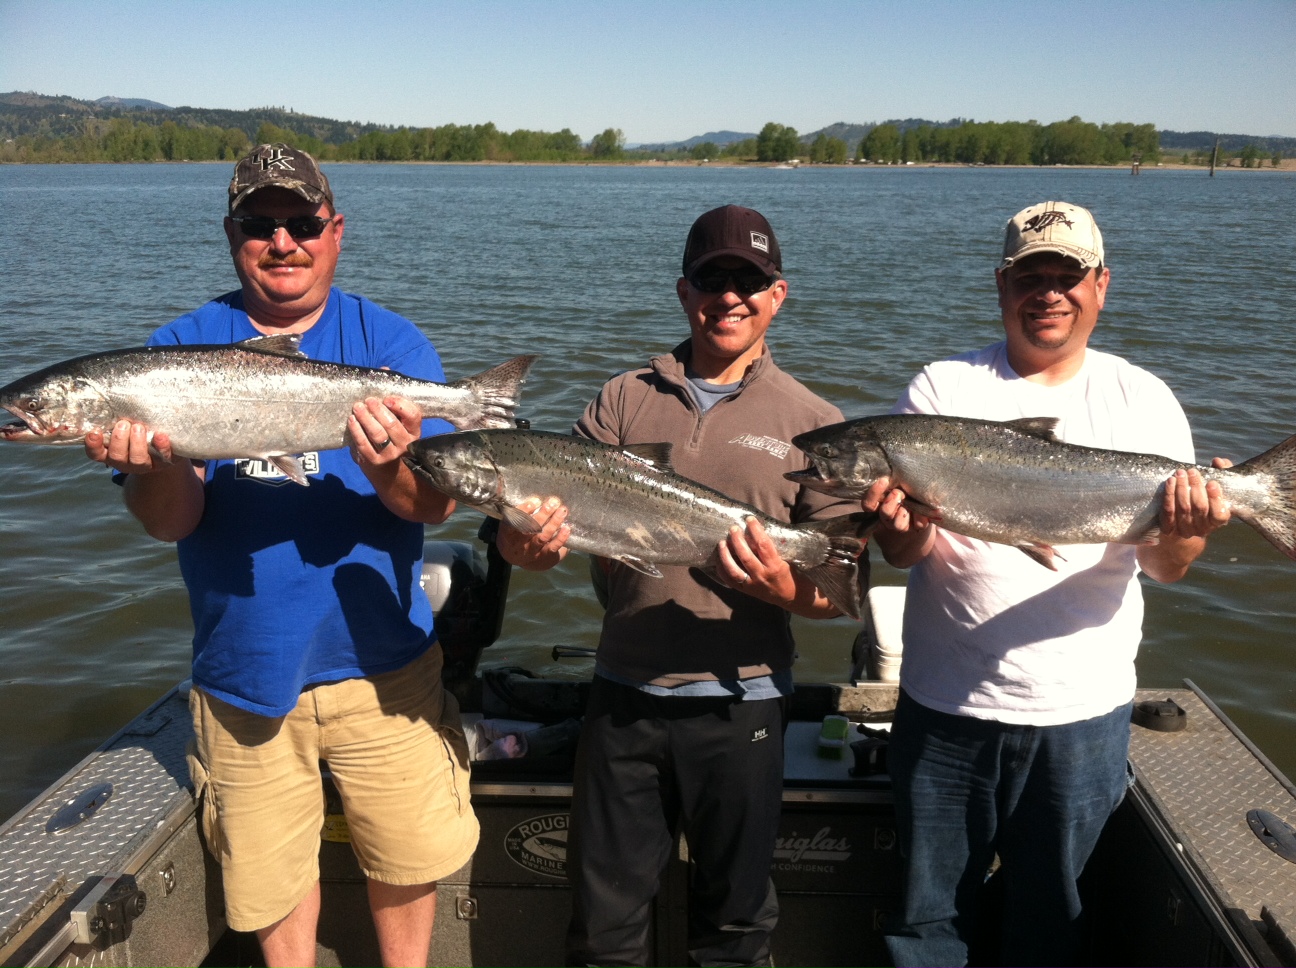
[732,230]
[278,166]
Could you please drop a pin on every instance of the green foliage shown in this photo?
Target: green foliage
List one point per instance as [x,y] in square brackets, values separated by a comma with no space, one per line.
[1070,142]
[828,151]
[609,145]
[744,150]
[35,128]
[777,142]
[881,145]
[1276,160]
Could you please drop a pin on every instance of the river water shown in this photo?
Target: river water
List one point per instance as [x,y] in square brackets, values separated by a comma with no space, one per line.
[888,269]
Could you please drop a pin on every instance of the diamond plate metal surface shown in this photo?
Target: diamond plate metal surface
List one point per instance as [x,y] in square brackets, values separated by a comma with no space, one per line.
[1205,780]
[145,763]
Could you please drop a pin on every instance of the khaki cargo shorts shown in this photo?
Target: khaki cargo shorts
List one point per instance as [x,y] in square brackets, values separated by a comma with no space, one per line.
[396,749]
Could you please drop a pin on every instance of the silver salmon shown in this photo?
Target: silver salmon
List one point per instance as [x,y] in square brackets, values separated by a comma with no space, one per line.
[627,504]
[1015,483]
[259,398]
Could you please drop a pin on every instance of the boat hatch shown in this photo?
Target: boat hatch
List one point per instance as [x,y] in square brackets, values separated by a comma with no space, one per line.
[79,808]
[1274,833]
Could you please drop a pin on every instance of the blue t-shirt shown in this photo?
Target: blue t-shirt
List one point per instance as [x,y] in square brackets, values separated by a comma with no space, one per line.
[292,585]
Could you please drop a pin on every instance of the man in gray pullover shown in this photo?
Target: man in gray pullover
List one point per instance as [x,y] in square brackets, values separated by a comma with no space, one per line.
[689,700]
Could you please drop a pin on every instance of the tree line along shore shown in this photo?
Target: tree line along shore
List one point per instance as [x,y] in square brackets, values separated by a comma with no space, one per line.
[1070,142]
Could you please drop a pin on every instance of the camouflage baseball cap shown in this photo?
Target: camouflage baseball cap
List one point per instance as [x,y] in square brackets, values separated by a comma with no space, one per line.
[1053,227]
[279,166]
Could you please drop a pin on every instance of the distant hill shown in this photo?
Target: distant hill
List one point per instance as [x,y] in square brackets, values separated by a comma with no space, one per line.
[1205,141]
[130,102]
[849,133]
[719,138]
[852,133]
[26,113]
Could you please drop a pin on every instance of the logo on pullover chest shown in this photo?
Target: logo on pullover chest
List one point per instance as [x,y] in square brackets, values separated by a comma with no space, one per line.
[760,734]
[771,445]
[264,472]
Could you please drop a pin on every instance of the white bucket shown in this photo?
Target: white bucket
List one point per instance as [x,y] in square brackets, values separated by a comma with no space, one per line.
[883,623]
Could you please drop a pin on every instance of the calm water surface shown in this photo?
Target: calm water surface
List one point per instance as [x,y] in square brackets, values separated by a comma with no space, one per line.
[888,269]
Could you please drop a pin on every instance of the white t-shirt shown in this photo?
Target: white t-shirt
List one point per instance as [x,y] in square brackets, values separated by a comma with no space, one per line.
[990,633]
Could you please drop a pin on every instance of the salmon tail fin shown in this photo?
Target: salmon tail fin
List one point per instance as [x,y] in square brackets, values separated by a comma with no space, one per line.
[1277,520]
[838,576]
[855,528]
[497,391]
[838,579]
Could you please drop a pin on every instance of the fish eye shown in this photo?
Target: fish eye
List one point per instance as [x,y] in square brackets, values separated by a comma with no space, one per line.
[439,462]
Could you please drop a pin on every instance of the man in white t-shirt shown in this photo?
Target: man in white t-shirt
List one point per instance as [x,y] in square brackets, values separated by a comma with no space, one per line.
[1012,730]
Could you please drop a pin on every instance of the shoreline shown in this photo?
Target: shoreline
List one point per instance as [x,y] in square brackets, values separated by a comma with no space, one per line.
[1285,164]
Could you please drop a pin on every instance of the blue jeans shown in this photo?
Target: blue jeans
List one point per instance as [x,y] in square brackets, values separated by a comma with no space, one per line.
[1037,796]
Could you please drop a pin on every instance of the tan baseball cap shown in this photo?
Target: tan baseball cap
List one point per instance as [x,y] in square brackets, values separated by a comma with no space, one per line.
[1053,227]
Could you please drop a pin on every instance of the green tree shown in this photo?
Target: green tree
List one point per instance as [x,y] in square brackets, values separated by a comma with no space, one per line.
[777,142]
[608,145]
[1276,160]
[882,145]
[825,150]
[703,150]
[910,146]
[1070,142]
[740,149]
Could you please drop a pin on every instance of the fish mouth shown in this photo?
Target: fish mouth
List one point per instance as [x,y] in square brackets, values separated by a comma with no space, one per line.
[27,427]
[18,430]
[812,477]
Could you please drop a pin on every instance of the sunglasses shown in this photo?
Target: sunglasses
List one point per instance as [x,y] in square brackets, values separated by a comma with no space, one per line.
[300,227]
[745,282]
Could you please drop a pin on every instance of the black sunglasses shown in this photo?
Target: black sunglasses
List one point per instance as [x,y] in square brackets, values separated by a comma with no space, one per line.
[745,282]
[299,226]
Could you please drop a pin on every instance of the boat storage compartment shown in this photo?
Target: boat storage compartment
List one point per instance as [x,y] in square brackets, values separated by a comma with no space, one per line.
[508,906]
[1179,877]
[836,862]
[132,817]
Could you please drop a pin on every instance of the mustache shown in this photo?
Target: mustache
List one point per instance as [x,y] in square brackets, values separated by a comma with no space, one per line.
[298,258]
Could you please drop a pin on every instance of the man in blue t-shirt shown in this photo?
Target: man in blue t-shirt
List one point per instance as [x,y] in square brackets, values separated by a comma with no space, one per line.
[312,640]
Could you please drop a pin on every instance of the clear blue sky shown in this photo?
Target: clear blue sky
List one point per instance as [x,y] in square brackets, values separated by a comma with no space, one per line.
[668,70]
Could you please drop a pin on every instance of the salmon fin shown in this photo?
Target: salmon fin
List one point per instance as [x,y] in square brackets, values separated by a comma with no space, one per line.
[846,532]
[839,582]
[153,450]
[520,520]
[496,391]
[916,506]
[280,344]
[1042,553]
[1148,536]
[659,455]
[291,466]
[1276,522]
[1043,427]
[639,565]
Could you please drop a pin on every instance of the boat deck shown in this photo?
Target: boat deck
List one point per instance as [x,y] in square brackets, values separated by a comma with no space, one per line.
[1181,877]
[1200,784]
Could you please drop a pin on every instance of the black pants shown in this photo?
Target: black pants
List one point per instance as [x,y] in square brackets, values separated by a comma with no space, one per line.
[647,765]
